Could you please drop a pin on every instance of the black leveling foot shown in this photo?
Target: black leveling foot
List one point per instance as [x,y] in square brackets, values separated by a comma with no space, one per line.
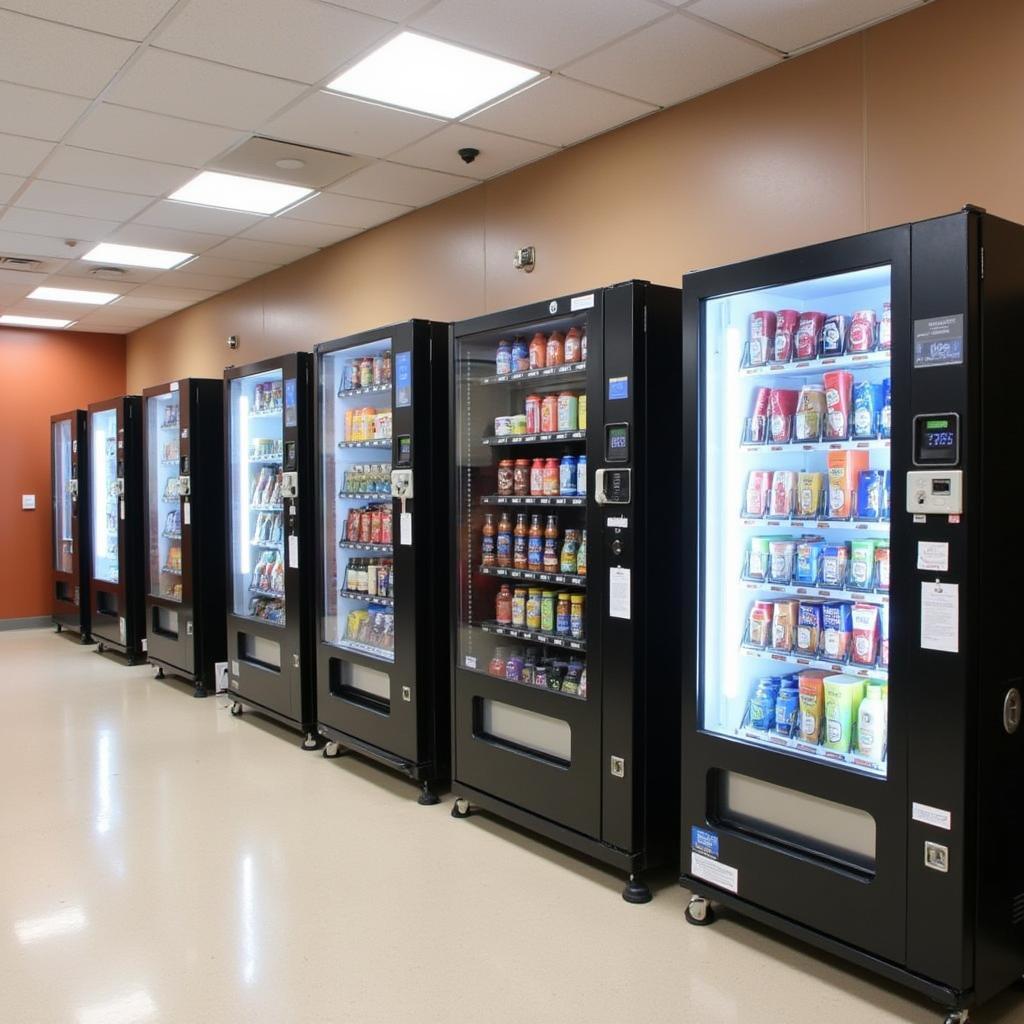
[636,891]
[426,798]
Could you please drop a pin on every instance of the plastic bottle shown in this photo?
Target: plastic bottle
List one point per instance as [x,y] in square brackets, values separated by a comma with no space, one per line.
[581,555]
[503,605]
[538,351]
[537,477]
[871,723]
[576,616]
[551,545]
[519,545]
[504,545]
[568,558]
[535,545]
[488,554]
[503,360]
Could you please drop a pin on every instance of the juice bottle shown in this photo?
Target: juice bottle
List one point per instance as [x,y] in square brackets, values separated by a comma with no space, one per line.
[549,414]
[519,607]
[551,545]
[576,616]
[572,347]
[503,605]
[503,360]
[563,615]
[504,545]
[538,351]
[535,545]
[568,559]
[519,558]
[581,555]
[556,349]
[533,602]
[537,477]
[487,546]
[547,611]
[552,476]
[347,436]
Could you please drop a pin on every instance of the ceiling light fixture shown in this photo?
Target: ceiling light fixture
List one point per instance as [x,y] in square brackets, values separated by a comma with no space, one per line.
[233,192]
[73,295]
[13,320]
[419,73]
[136,256]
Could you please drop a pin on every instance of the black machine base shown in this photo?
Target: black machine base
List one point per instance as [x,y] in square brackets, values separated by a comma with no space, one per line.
[131,657]
[426,797]
[241,702]
[163,668]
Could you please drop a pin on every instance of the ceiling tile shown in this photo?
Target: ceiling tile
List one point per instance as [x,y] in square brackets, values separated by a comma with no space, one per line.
[38,114]
[262,158]
[129,277]
[171,83]
[790,25]
[243,270]
[11,293]
[9,184]
[297,39]
[396,183]
[560,112]
[117,173]
[165,238]
[393,10]
[18,243]
[160,291]
[19,155]
[672,61]
[88,284]
[151,136]
[53,56]
[206,282]
[540,32]
[328,208]
[57,225]
[297,232]
[189,217]
[498,153]
[264,252]
[19,278]
[57,310]
[108,321]
[129,19]
[350,126]
[81,202]
[161,306]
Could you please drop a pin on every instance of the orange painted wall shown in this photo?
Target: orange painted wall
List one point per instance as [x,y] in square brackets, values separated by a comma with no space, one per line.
[41,373]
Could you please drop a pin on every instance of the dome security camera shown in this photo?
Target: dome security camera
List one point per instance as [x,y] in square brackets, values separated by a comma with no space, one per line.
[469,154]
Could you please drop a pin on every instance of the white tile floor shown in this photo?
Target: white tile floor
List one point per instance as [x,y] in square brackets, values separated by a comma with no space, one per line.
[161,861]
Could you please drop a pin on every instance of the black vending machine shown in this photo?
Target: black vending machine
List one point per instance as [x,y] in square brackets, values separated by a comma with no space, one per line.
[382,626]
[564,689]
[851,744]
[116,614]
[270,547]
[183,427]
[69,491]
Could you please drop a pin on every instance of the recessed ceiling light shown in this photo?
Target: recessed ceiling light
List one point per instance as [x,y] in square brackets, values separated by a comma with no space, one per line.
[136,256]
[73,295]
[33,321]
[288,164]
[424,74]
[233,192]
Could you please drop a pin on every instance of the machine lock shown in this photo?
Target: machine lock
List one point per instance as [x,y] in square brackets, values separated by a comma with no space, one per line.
[184,486]
[401,485]
[73,489]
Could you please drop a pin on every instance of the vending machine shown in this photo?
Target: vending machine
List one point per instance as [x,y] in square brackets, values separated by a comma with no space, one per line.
[116,612]
[564,685]
[270,558]
[183,428]
[382,626]
[852,693]
[69,475]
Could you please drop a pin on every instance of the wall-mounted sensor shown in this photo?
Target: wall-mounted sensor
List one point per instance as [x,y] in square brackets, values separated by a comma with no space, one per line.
[233,341]
[469,154]
[525,258]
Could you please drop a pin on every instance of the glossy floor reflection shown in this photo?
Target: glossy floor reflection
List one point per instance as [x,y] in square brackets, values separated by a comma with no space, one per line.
[161,861]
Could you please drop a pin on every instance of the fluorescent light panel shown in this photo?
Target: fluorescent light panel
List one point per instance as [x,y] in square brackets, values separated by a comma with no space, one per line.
[73,295]
[136,256]
[234,192]
[33,321]
[424,74]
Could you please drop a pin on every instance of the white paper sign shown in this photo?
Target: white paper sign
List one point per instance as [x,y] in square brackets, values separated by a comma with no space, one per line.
[581,302]
[621,522]
[712,871]
[933,556]
[933,816]
[188,513]
[293,551]
[940,617]
[122,508]
[618,593]
[470,661]
[405,528]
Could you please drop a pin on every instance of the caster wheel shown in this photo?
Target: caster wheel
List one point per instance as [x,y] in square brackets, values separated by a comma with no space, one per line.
[699,912]
[460,809]
[636,891]
[333,750]
[311,742]
[58,628]
[100,648]
[236,709]
[159,673]
[426,798]
[959,1017]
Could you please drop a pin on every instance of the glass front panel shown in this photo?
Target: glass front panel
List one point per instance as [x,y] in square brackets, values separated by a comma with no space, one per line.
[162,426]
[63,536]
[796,524]
[359,570]
[257,522]
[106,495]
[522,573]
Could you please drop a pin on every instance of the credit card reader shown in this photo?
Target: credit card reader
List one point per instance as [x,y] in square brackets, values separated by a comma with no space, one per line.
[937,489]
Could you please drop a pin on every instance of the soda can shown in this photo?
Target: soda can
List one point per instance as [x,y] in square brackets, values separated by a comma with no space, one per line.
[786,321]
[762,337]
[870,494]
[350,379]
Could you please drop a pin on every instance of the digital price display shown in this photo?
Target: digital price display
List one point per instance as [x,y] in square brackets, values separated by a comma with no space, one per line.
[937,440]
[617,442]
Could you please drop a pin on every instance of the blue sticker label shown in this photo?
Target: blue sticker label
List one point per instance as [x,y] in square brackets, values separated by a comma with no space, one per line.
[403,378]
[703,841]
[618,387]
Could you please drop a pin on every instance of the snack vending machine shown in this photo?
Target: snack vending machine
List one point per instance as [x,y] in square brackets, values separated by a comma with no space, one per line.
[269,506]
[69,475]
[564,688]
[116,614]
[183,427]
[382,638]
[851,741]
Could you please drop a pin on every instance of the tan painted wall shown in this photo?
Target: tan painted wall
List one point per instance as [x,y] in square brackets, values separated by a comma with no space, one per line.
[910,119]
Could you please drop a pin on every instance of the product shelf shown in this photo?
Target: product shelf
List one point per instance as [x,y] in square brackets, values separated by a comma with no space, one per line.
[277,461]
[556,578]
[268,545]
[372,389]
[552,639]
[364,496]
[171,536]
[800,661]
[358,595]
[803,367]
[168,571]
[799,746]
[543,375]
[854,445]
[263,413]
[267,593]
[878,528]
[374,652]
[829,593]
[375,442]
[265,508]
[530,686]
[543,438]
[355,545]
[534,499]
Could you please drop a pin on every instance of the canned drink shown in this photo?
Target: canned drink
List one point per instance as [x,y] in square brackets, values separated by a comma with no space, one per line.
[519,425]
[568,411]
[533,403]
[786,321]
[502,426]
[762,337]
[547,611]
[870,494]
[783,493]
[867,405]
[862,331]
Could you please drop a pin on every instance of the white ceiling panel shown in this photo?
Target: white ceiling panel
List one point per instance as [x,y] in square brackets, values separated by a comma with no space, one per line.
[189,217]
[86,284]
[9,184]
[349,211]
[57,225]
[130,277]
[498,153]
[17,243]
[165,238]
[171,83]
[546,33]
[202,282]
[110,322]
[129,19]
[81,202]
[38,114]
[790,25]
[57,310]
[297,232]
[21,278]
[393,10]
[118,173]
[396,183]
[19,155]
[297,39]
[560,112]
[159,306]
[157,292]
[241,270]
[53,56]
[265,252]
[673,61]
[11,293]
[151,136]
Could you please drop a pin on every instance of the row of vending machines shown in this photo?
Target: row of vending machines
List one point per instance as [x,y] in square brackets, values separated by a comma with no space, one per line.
[551,555]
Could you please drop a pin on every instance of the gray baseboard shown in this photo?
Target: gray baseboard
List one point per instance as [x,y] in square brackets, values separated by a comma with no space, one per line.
[35,622]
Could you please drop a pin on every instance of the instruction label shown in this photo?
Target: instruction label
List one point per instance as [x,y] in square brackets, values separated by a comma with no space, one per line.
[940,617]
[714,871]
[618,593]
[932,816]
[933,556]
[704,841]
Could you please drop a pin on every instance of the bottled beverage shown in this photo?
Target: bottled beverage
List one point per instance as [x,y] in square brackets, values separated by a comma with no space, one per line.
[521,477]
[533,602]
[506,476]
[572,345]
[576,617]
[549,414]
[366,372]
[519,607]
[583,348]
[535,545]
[563,614]
[871,723]
[378,369]
[551,545]
[537,477]
[581,476]
[386,367]
[503,360]
[503,605]
[520,356]
[533,408]
[488,544]
[581,412]
[567,475]
[556,349]
[519,546]
[547,611]
[568,411]
[568,559]
[581,555]
[538,351]
[504,544]
[551,476]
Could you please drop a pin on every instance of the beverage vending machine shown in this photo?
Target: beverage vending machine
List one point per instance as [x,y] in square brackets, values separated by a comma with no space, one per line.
[382,637]
[564,688]
[183,428]
[69,476]
[116,613]
[270,547]
[851,729]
